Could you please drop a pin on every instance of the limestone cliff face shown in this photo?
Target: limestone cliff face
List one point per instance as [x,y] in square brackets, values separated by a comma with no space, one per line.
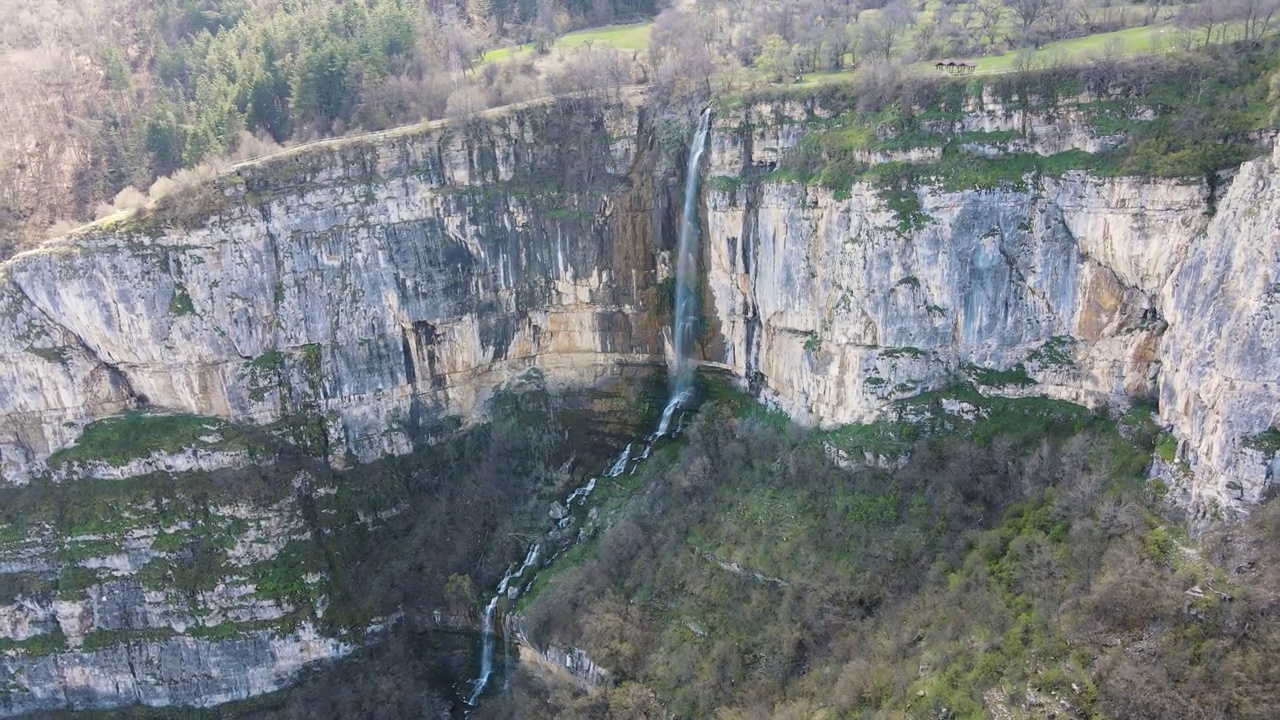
[121,611]
[178,671]
[1221,382]
[381,286]
[375,286]
[360,296]
[1093,290]
[367,293]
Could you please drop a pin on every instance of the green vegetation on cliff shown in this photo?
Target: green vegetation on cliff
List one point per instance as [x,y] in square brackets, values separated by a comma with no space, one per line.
[134,435]
[1181,116]
[337,548]
[969,557]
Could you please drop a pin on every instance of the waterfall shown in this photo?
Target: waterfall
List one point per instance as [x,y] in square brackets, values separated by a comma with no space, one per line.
[582,493]
[617,468]
[683,321]
[664,426]
[486,650]
[486,626]
[685,314]
[620,465]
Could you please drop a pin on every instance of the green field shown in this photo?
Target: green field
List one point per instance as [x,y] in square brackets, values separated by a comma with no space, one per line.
[1133,41]
[1144,40]
[623,37]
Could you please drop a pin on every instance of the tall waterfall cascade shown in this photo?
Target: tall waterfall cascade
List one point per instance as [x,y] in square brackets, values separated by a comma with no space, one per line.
[486,629]
[685,316]
[514,584]
[683,327]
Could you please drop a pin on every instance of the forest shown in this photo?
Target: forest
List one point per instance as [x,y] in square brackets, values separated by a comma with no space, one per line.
[1015,563]
[99,102]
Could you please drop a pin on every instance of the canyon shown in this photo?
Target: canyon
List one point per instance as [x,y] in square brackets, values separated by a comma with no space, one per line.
[367,296]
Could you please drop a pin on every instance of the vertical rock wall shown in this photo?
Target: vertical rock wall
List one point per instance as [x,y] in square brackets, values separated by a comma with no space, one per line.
[380,287]
[1099,291]
[374,286]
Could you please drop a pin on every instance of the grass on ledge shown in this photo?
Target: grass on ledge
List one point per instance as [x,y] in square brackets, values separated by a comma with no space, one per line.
[117,440]
[1131,42]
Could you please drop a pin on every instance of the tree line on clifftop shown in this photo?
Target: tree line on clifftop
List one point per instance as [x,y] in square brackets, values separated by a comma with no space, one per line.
[100,101]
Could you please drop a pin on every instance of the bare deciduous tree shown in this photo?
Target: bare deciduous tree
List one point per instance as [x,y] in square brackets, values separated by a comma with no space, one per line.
[882,35]
[549,22]
[989,16]
[592,68]
[1207,19]
[681,60]
[1029,11]
[1257,16]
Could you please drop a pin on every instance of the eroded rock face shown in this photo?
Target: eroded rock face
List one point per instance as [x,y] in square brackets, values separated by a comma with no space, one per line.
[1220,387]
[178,671]
[105,621]
[377,290]
[383,287]
[843,310]
[377,286]
[1093,290]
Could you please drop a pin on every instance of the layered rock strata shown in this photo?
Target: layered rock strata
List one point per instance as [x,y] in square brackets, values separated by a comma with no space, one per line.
[375,285]
[1096,290]
[368,294]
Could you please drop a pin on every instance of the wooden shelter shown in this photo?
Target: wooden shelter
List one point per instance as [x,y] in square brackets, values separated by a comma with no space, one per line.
[955,67]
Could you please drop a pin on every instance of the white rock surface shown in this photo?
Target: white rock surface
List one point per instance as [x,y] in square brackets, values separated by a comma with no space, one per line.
[382,286]
[833,309]
[1220,387]
[181,671]
[183,461]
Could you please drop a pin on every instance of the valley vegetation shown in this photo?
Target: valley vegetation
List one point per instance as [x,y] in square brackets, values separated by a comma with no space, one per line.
[1006,559]
[968,556]
[414,538]
[108,107]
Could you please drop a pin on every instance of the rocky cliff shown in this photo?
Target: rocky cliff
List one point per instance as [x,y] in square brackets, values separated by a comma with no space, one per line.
[376,286]
[1096,290]
[371,286]
[163,591]
[358,297]
[349,300]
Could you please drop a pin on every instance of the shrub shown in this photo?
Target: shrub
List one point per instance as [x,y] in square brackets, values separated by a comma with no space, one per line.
[126,200]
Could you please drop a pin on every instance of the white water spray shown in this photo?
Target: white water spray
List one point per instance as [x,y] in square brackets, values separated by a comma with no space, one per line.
[684,318]
[581,493]
[486,627]
[683,321]
[620,465]
[664,425]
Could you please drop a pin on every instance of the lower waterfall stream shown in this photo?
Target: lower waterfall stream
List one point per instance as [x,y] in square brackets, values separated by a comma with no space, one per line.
[684,316]
[514,584]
